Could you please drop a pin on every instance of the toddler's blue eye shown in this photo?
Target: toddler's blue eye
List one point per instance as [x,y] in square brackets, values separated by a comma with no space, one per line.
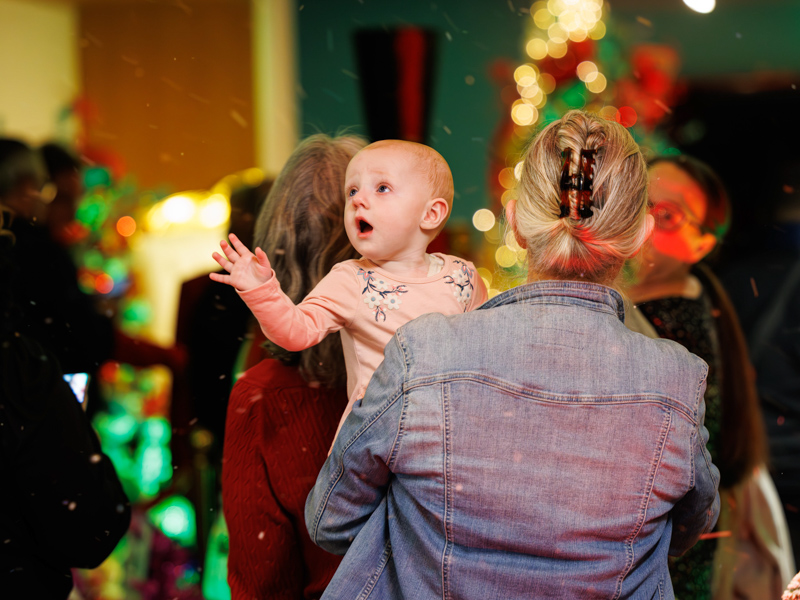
[383,188]
[352,192]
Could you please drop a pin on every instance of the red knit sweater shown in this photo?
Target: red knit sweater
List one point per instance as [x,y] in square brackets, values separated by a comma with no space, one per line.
[278,432]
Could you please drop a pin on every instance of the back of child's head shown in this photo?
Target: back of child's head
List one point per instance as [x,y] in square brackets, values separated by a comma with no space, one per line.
[592,248]
[301,228]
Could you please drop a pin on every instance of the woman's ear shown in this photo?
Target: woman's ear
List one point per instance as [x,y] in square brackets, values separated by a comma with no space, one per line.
[511,208]
[436,212]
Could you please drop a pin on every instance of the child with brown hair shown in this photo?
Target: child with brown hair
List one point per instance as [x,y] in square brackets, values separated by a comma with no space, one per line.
[399,195]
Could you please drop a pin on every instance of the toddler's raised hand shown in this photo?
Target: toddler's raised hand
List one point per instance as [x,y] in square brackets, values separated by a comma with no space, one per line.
[247,270]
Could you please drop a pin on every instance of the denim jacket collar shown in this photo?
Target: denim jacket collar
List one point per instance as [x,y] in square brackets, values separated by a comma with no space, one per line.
[598,297]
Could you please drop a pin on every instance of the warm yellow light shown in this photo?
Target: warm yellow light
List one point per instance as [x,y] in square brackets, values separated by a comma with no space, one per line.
[556,7]
[598,31]
[543,18]
[536,6]
[178,208]
[569,21]
[701,6]
[525,75]
[524,114]
[556,49]
[532,94]
[511,241]
[507,195]
[253,176]
[597,85]
[557,33]
[483,219]
[578,35]
[536,48]
[585,69]
[493,236]
[527,91]
[156,221]
[505,257]
[506,178]
[486,275]
[608,112]
[518,170]
[547,83]
[214,211]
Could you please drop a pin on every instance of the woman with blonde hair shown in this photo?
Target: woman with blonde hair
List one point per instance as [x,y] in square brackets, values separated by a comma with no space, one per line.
[535,447]
[283,412]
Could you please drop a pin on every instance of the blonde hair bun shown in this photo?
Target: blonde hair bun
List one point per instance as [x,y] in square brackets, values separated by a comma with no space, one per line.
[593,248]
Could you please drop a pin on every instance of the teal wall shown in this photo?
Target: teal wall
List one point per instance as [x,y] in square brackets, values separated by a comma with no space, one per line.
[737,37]
[470,40]
[746,37]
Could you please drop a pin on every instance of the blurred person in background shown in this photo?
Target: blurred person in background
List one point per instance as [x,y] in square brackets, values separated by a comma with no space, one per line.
[62,504]
[679,298]
[283,411]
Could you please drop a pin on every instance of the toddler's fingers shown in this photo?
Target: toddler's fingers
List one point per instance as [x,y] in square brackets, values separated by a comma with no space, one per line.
[225,264]
[220,277]
[237,244]
[262,258]
[232,255]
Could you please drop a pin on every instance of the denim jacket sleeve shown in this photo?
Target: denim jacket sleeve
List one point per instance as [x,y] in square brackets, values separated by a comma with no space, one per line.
[354,479]
[697,512]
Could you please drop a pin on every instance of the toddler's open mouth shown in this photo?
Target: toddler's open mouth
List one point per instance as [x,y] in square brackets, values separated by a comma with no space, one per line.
[363,226]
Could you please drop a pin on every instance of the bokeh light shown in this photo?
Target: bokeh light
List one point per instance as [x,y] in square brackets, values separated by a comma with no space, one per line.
[483,219]
[626,116]
[214,211]
[103,283]
[598,84]
[701,6]
[536,48]
[126,226]
[524,114]
[178,208]
[505,256]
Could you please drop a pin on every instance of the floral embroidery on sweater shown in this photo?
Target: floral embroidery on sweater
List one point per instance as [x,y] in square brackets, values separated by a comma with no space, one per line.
[461,280]
[379,295]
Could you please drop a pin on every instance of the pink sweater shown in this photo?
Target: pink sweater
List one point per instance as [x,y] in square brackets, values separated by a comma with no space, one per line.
[368,305]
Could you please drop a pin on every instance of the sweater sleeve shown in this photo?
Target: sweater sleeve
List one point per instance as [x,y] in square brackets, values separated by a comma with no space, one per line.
[329,307]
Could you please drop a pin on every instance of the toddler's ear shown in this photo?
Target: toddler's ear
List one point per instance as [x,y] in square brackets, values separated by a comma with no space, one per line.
[436,212]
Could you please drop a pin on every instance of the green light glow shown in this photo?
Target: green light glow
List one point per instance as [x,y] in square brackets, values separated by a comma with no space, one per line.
[175,517]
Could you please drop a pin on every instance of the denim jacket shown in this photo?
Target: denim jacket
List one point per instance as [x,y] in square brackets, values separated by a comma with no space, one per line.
[533,448]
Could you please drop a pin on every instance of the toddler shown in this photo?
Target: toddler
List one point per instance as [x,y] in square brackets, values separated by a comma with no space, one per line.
[399,196]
